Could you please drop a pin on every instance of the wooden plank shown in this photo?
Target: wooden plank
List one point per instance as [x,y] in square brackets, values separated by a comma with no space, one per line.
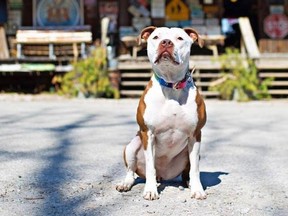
[199,62]
[279,83]
[46,37]
[206,75]
[131,92]
[200,83]
[134,83]
[134,66]
[202,65]
[144,83]
[273,74]
[4,52]
[139,93]
[266,65]
[278,91]
[209,93]
[137,75]
[248,38]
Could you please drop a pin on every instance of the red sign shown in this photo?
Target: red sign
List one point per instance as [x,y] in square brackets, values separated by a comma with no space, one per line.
[276,26]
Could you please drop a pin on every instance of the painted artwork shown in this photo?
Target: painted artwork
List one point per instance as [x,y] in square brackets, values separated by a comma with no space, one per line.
[58,12]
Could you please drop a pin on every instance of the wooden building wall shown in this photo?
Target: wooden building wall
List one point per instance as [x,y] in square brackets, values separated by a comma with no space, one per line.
[256,10]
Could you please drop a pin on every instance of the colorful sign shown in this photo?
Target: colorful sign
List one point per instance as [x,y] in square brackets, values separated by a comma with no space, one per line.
[177,10]
[58,12]
[276,26]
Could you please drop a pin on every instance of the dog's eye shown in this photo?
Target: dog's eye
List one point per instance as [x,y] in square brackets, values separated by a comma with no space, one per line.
[155,37]
[180,38]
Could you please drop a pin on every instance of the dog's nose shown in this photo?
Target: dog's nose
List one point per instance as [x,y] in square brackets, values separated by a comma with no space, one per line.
[166,43]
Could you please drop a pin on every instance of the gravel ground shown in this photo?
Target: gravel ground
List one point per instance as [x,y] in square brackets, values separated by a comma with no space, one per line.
[64,157]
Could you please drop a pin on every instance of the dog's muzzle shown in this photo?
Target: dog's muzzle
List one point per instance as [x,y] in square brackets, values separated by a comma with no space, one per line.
[165,52]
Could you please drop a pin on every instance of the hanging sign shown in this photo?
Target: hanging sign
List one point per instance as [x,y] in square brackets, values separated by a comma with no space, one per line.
[276,26]
[177,10]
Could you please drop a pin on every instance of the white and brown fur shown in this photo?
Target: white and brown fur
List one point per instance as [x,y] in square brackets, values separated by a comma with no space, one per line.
[170,120]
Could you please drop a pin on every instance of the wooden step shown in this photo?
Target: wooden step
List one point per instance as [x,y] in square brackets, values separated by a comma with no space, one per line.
[278,91]
[199,83]
[279,83]
[144,83]
[136,75]
[273,74]
[134,83]
[131,92]
[206,75]
[209,93]
[147,75]
[139,93]
[135,66]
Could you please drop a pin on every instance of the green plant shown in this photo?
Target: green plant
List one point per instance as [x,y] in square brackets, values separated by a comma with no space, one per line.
[239,78]
[88,78]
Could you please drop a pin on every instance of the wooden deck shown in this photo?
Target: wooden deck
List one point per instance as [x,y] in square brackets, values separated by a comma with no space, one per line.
[276,67]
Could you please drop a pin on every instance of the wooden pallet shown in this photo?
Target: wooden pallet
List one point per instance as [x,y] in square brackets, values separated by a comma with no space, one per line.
[135,75]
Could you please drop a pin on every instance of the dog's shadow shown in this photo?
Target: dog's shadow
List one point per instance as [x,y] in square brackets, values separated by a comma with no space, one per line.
[208,179]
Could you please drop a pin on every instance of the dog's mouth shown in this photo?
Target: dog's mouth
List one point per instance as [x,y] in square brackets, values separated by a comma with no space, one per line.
[165,56]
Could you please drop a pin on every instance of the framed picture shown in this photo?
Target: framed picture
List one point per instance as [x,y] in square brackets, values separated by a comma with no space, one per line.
[57,12]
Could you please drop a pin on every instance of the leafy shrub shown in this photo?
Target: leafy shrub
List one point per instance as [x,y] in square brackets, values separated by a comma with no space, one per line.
[88,78]
[239,78]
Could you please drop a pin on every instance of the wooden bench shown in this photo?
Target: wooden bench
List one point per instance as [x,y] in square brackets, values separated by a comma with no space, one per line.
[52,37]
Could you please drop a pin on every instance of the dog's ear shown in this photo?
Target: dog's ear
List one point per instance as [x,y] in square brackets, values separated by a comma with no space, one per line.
[145,33]
[194,35]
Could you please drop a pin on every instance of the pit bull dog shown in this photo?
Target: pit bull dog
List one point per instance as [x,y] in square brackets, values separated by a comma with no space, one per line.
[170,115]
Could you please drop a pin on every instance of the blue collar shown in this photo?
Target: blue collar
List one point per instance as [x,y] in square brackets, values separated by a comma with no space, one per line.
[178,85]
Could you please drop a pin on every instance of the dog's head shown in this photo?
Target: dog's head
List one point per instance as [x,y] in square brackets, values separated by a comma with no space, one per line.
[169,49]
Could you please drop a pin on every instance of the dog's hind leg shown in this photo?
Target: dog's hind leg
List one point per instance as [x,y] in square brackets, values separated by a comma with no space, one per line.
[130,159]
[185,175]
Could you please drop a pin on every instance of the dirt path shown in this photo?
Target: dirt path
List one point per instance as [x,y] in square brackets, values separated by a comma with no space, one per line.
[64,157]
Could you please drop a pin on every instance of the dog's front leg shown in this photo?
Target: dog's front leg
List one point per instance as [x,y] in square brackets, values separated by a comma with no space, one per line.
[150,190]
[194,174]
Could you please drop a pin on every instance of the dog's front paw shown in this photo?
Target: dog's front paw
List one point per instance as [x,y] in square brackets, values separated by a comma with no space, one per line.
[126,185]
[123,187]
[198,194]
[197,191]
[150,193]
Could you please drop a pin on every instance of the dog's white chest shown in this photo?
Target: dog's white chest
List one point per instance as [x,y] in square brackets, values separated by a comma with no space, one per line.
[170,116]
[171,121]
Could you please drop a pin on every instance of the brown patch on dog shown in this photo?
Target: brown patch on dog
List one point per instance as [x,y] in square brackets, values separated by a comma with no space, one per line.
[140,117]
[145,33]
[194,35]
[201,110]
